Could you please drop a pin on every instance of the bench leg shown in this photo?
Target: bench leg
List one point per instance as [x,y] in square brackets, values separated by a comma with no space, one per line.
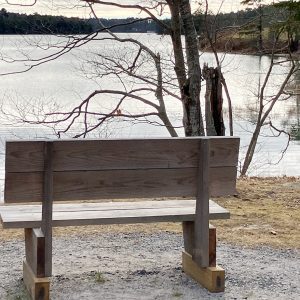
[38,288]
[34,265]
[212,277]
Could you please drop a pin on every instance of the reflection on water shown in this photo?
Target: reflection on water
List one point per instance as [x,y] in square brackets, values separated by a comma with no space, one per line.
[293,122]
[295,132]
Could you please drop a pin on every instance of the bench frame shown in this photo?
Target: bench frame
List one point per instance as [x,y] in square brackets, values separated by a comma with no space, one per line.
[198,258]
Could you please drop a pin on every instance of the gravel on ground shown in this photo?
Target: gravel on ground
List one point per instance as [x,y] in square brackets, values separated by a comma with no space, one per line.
[148,266]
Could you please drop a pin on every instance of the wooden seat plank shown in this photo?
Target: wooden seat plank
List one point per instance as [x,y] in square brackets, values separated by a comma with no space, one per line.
[81,206]
[29,216]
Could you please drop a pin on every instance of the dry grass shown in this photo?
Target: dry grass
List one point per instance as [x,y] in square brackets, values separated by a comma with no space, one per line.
[266,211]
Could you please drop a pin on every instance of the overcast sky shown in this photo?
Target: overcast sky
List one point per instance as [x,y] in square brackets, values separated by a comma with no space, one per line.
[67,7]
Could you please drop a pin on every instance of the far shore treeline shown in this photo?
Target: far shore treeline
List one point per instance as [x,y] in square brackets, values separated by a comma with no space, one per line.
[15,23]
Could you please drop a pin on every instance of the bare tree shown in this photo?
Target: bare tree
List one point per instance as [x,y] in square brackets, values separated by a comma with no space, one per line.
[182,83]
[265,106]
[266,101]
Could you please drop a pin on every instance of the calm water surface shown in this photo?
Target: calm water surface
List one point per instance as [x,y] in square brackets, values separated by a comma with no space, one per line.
[62,81]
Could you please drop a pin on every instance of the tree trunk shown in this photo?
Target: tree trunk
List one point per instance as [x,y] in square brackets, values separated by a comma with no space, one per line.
[159,94]
[213,102]
[209,121]
[250,151]
[193,123]
[178,55]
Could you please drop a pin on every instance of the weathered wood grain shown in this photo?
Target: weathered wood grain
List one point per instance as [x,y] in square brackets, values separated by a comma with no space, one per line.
[188,236]
[47,203]
[22,216]
[189,240]
[212,278]
[35,251]
[38,288]
[115,184]
[212,246]
[70,155]
[108,205]
[200,252]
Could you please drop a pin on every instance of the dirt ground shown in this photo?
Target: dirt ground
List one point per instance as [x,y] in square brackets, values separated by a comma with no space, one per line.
[265,212]
[147,266]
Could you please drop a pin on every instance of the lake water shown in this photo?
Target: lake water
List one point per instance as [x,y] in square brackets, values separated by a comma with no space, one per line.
[63,82]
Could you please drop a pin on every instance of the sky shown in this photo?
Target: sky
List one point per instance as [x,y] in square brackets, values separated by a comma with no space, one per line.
[76,7]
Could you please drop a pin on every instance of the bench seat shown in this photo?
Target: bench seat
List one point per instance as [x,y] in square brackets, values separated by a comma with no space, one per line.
[75,214]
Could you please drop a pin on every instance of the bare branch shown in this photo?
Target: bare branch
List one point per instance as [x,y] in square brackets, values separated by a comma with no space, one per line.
[279,132]
[138,7]
[21,4]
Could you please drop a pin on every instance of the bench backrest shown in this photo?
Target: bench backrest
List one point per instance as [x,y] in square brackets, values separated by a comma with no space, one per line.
[117,168]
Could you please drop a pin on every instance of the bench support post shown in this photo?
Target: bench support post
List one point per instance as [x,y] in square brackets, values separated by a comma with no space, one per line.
[37,284]
[200,252]
[38,288]
[199,257]
[211,277]
[35,250]
[37,267]
[189,236]
[47,206]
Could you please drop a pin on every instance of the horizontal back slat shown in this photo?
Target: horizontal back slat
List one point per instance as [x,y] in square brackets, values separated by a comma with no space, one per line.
[116,184]
[108,169]
[70,155]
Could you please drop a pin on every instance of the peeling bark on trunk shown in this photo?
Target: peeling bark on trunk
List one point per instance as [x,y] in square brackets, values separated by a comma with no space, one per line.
[193,124]
[209,121]
[189,84]
[178,54]
[213,102]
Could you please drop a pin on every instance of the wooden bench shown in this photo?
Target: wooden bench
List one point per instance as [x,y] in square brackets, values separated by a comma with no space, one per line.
[189,169]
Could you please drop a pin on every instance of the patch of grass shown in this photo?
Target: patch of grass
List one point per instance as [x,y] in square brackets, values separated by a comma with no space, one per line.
[177,294]
[99,277]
